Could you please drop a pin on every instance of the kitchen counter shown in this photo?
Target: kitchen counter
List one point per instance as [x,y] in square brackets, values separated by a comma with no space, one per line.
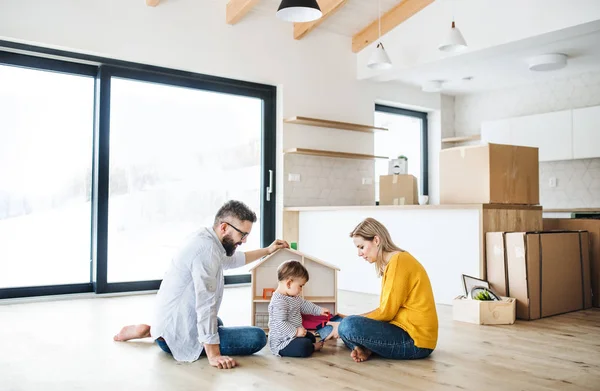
[411,207]
[448,240]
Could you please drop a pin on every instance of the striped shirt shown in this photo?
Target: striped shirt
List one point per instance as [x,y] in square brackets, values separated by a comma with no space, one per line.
[285,316]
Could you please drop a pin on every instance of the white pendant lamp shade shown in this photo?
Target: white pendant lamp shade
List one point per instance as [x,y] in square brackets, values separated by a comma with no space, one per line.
[299,11]
[379,59]
[455,42]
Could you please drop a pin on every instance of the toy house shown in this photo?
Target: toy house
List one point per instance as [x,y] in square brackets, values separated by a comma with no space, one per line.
[321,288]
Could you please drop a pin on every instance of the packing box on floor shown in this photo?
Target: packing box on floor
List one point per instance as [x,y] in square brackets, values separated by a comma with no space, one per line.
[548,273]
[492,173]
[593,227]
[398,190]
[484,312]
[466,309]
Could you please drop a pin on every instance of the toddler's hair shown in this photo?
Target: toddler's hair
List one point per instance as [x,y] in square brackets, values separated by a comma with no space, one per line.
[291,269]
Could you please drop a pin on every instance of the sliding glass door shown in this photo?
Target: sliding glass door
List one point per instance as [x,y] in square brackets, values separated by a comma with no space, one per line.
[47,121]
[176,155]
[107,166]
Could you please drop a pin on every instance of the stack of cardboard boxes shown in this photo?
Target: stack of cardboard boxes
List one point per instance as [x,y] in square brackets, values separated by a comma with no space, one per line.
[548,273]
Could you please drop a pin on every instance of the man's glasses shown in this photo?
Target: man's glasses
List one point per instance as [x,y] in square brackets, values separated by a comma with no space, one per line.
[244,234]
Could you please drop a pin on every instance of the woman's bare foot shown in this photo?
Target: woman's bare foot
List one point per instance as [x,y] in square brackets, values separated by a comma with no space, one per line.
[360,354]
[133,332]
[318,345]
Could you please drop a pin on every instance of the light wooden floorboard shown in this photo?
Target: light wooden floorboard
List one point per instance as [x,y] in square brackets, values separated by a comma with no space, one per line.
[67,345]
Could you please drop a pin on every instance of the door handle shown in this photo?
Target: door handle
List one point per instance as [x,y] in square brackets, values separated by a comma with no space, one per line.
[270,187]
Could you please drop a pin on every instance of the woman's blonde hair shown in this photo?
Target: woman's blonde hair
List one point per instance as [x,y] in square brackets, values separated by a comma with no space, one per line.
[368,229]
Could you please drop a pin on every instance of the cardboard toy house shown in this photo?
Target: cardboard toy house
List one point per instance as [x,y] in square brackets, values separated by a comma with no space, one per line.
[321,288]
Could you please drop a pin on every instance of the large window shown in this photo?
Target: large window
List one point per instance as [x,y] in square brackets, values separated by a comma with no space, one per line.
[47,120]
[176,155]
[106,167]
[407,136]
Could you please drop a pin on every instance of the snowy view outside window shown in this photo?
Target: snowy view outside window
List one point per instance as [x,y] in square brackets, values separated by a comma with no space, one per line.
[176,155]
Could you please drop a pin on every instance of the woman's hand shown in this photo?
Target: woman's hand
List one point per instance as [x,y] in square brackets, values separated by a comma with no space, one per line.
[325,311]
[334,332]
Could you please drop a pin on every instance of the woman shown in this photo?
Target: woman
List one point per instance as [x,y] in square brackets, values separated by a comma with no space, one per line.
[405,326]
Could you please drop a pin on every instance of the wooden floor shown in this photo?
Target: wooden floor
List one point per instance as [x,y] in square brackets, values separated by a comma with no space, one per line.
[67,345]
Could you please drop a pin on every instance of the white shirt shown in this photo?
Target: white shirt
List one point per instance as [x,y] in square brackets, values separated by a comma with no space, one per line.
[190,295]
[285,316]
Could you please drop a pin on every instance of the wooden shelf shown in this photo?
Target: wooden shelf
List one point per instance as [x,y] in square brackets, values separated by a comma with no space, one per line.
[461,139]
[323,123]
[316,299]
[259,299]
[318,152]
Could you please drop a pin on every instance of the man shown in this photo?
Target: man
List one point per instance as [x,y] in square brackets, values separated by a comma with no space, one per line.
[188,301]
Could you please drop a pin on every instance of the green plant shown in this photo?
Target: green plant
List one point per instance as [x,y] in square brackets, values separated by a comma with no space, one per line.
[402,157]
[483,296]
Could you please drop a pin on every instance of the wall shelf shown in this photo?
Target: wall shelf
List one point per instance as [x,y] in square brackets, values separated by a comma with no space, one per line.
[318,152]
[323,123]
[461,139]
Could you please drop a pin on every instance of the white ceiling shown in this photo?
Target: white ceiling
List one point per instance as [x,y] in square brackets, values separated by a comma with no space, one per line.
[348,20]
[506,65]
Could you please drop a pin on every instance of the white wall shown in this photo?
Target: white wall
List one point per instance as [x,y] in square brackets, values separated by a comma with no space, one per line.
[315,76]
[578,181]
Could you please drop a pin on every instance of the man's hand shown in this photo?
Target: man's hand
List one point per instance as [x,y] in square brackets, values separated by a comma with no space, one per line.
[213,352]
[300,332]
[276,245]
[325,311]
[222,362]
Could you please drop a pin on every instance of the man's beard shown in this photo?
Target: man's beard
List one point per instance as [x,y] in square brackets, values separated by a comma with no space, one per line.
[229,245]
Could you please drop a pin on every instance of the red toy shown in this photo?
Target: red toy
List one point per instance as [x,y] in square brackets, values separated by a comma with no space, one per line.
[310,322]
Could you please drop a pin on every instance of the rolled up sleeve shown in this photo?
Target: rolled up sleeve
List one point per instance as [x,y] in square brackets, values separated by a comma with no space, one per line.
[204,275]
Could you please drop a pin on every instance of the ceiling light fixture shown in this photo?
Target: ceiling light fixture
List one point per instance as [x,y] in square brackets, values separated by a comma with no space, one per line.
[432,86]
[548,62]
[455,42]
[299,11]
[379,58]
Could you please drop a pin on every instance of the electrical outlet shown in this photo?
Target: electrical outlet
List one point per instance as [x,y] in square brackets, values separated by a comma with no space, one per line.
[552,182]
[367,181]
[293,177]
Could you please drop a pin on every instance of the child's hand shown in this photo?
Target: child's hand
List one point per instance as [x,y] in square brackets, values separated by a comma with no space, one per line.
[300,332]
[325,311]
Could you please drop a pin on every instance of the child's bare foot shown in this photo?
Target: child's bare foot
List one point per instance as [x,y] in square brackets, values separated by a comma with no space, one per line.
[318,345]
[360,354]
[133,332]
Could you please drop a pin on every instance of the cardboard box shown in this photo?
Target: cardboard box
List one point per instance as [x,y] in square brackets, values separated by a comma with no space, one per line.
[465,309]
[496,266]
[548,273]
[484,312]
[398,190]
[593,227]
[493,173]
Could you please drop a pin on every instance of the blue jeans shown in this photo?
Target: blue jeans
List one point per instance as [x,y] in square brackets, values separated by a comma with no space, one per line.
[235,341]
[381,338]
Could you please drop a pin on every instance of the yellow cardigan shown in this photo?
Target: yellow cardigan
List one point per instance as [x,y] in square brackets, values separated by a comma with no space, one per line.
[407,300]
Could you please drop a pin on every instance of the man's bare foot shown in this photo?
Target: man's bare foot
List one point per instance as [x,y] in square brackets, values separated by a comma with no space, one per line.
[318,345]
[133,332]
[360,354]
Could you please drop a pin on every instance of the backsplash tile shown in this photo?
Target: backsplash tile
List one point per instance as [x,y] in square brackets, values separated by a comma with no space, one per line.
[577,184]
[327,181]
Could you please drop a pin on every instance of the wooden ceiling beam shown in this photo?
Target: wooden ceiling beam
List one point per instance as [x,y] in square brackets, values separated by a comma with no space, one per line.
[389,21]
[237,9]
[152,3]
[328,8]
